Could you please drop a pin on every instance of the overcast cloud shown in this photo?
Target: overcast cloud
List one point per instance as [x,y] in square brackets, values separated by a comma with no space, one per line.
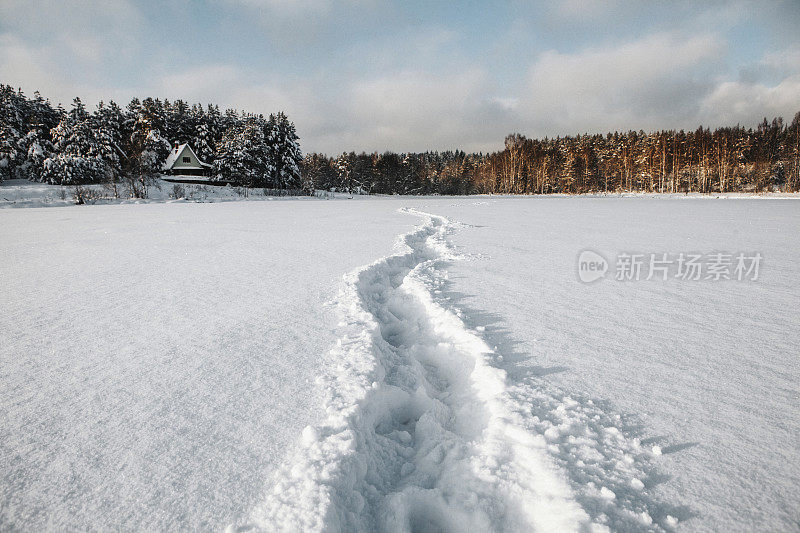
[379,75]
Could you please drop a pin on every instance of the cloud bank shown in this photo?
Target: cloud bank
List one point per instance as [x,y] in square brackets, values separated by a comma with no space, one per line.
[376,75]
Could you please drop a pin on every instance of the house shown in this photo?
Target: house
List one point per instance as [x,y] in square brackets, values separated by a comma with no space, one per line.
[182,161]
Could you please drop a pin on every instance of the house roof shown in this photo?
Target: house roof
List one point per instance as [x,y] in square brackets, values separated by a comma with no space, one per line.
[173,157]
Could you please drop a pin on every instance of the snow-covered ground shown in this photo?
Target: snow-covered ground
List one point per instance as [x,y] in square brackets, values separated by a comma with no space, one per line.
[708,369]
[398,364]
[24,193]
[157,360]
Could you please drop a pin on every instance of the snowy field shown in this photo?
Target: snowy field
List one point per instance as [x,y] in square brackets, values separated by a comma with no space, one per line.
[708,369]
[158,359]
[397,364]
[24,193]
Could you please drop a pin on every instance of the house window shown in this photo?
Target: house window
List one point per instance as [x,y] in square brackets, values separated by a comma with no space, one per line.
[187,160]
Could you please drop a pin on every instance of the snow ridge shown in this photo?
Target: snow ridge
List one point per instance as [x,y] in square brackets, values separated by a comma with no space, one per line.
[422,432]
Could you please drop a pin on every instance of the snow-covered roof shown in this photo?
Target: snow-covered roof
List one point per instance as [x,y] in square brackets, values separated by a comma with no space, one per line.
[173,157]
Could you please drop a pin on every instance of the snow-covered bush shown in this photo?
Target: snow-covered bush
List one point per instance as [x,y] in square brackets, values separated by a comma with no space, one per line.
[84,195]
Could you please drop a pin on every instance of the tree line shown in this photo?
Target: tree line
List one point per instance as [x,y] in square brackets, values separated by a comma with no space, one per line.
[728,159]
[129,145]
[115,145]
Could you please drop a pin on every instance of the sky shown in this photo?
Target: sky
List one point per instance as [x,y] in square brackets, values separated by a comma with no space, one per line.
[377,75]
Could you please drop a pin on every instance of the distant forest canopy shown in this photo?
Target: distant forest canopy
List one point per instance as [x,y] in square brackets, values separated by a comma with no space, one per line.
[729,159]
[129,146]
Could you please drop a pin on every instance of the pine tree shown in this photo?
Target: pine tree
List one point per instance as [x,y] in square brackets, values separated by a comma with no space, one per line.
[344,168]
[12,112]
[242,155]
[284,152]
[208,133]
[36,146]
[146,147]
[180,125]
[108,123]
[793,153]
[8,151]
[77,150]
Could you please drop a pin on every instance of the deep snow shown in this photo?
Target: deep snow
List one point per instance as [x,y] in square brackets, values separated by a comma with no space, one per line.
[709,370]
[421,433]
[157,360]
[199,366]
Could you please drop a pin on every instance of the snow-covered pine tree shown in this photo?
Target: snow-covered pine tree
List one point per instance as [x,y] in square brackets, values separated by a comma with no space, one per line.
[344,168]
[108,121]
[197,115]
[225,156]
[77,150]
[42,113]
[146,147]
[284,152]
[37,148]
[152,111]
[241,156]
[270,129]
[228,119]
[36,145]
[12,113]
[9,154]
[208,133]
[318,173]
[181,126]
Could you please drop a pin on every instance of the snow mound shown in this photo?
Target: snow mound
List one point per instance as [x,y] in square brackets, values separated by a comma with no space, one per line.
[422,432]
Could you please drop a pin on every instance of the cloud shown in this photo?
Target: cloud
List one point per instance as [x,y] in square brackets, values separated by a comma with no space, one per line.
[768,88]
[405,108]
[290,6]
[585,8]
[313,111]
[392,103]
[204,83]
[403,111]
[34,68]
[376,75]
[643,83]
[736,102]
[20,63]
[85,29]
[306,12]
[292,25]
[297,8]
[787,60]
[660,81]
[432,46]
[66,49]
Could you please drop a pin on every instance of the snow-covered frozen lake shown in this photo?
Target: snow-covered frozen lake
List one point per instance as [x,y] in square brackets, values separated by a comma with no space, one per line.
[711,370]
[397,363]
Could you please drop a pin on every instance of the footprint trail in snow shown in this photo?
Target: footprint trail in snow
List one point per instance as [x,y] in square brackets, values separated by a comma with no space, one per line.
[422,432]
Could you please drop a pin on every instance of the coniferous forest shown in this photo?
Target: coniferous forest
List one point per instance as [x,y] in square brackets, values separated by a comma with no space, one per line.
[129,145]
[111,144]
[728,159]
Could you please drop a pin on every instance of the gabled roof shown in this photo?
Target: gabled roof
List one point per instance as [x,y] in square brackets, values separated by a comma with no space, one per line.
[173,157]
